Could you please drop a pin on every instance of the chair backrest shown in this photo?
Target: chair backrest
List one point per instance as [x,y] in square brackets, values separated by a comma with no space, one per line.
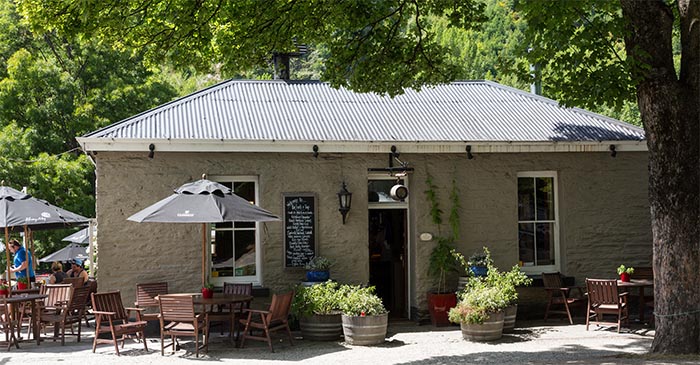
[92,284]
[176,307]
[76,282]
[146,293]
[279,308]
[56,294]
[644,272]
[552,280]
[110,302]
[79,300]
[235,288]
[602,291]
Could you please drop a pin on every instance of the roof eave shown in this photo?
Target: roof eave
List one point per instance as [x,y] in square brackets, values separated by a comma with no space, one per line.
[142,145]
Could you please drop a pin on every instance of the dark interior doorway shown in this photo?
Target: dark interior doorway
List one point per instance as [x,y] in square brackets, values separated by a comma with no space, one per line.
[388,258]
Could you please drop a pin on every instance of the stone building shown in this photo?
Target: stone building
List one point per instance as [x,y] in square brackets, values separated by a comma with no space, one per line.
[546,187]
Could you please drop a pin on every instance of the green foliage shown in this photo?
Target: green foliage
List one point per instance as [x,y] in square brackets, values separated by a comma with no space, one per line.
[23,280]
[319,263]
[372,46]
[208,285]
[442,260]
[480,259]
[478,302]
[321,299]
[358,300]
[622,269]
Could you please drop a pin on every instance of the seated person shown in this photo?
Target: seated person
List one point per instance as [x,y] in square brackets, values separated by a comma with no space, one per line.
[77,271]
[58,274]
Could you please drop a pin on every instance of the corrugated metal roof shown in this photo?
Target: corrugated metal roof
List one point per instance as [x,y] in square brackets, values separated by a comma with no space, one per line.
[277,110]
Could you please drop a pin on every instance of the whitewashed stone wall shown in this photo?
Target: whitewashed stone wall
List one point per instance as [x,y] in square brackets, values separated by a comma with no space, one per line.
[604,214]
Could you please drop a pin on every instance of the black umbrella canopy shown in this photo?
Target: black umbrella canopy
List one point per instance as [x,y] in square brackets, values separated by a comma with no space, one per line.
[18,209]
[78,237]
[203,201]
[70,252]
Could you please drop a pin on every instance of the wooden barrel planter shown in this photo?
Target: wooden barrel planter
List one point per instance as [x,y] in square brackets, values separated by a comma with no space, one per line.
[321,327]
[509,318]
[490,330]
[364,331]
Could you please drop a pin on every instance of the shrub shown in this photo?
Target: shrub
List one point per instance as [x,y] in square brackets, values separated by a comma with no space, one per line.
[321,299]
[318,263]
[360,301]
[477,302]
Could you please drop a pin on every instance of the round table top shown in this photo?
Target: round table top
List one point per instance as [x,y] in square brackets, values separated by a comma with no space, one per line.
[635,282]
[220,298]
[24,298]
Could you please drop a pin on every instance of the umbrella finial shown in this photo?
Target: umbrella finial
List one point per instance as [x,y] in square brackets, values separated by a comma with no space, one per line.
[204,176]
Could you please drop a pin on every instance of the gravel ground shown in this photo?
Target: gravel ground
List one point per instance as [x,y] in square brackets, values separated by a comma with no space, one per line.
[407,343]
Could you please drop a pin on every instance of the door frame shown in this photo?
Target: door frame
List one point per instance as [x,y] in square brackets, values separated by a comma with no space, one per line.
[408,256]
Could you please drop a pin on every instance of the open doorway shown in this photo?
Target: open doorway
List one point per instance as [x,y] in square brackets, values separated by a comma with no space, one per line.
[388,258]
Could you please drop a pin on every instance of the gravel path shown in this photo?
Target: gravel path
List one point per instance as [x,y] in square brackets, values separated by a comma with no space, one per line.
[532,343]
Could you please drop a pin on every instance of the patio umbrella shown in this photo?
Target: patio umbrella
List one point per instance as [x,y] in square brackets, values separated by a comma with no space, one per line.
[70,252]
[203,201]
[78,237]
[19,210]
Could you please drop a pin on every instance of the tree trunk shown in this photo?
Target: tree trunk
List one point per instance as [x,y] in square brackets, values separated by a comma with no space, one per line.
[670,109]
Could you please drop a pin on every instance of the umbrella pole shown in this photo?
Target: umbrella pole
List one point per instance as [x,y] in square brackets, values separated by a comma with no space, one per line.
[26,253]
[7,258]
[204,254]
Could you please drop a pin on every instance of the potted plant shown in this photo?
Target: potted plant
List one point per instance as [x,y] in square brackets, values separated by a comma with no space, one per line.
[22,283]
[625,273]
[508,282]
[3,290]
[318,309]
[480,311]
[479,262]
[318,269]
[208,290]
[364,317]
[442,260]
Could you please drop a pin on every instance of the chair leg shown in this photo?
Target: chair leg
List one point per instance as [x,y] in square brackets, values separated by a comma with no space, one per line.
[289,333]
[568,312]
[549,305]
[269,340]
[588,314]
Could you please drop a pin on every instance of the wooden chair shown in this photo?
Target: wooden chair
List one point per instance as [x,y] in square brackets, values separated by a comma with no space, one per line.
[559,295]
[76,282]
[274,319]
[178,318]
[68,314]
[58,296]
[92,284]
[232,313]
[7,324]
[108,309]
[146,294]
[603,298]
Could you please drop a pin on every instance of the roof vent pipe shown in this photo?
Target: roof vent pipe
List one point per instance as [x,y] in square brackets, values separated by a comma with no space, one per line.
[281,63]
[536,85]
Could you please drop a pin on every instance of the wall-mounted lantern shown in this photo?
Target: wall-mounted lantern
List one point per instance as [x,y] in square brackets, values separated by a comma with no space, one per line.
[344,201]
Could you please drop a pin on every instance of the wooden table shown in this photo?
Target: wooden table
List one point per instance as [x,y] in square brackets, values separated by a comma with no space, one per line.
[222,299]
[640,284]
[15,300]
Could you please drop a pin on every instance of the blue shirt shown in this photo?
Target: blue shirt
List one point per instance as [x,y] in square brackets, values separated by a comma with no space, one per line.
[20,257]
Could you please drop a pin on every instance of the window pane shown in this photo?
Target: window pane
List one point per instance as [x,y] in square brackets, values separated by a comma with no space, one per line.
[526,243]
[545,244]
[246,190]
[222,253]
[545,198]
[526,199]
[378,191]
[245,253]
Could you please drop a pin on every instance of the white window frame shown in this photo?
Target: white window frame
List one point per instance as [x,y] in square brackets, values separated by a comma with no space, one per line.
[257,278]
[538,269]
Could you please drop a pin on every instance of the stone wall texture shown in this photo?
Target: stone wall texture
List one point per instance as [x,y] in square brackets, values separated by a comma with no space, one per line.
[604,217]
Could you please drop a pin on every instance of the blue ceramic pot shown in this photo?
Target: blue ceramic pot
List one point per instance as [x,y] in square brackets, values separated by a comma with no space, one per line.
[479,270]
[318,275]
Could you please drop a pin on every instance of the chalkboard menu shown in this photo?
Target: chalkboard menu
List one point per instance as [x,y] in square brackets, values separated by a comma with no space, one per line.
[299,229]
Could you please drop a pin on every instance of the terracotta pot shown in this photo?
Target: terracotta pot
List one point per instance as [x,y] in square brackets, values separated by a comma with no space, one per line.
[21,286]
[625,277]
[3,293]
[207,293]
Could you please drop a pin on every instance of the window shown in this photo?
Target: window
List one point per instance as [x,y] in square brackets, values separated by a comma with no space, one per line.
[235,245]
[537,221]
[379,192]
